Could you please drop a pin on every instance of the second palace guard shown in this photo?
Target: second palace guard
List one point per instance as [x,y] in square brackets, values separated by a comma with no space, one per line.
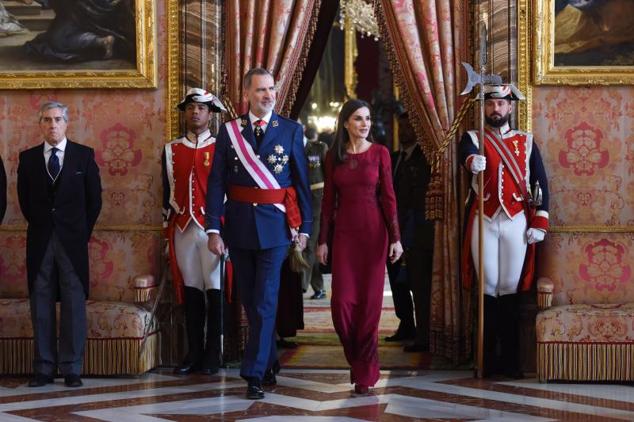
[195,270]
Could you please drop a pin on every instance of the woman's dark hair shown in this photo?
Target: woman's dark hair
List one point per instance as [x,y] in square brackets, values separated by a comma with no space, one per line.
[341,136]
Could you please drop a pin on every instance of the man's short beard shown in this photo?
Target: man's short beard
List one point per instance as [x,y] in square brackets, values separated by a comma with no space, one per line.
[497,123]
[268,107]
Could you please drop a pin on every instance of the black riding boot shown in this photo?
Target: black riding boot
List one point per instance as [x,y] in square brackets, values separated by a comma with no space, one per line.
[195,327]
[510,335]
[491,324]
[211,359]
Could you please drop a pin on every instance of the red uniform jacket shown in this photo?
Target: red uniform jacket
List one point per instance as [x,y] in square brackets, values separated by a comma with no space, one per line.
[508,185]
[186,166]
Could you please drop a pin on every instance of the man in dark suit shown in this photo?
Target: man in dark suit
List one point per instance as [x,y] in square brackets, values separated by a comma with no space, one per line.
[59,190]
[412,273]
[261,166]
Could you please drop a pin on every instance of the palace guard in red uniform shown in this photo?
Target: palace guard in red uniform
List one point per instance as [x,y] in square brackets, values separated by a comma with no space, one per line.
[195,270]
[515,218]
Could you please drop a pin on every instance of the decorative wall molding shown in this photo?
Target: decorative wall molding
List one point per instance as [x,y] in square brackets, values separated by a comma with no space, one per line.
[172,93]
[591,229]
[525,118]
[98,228]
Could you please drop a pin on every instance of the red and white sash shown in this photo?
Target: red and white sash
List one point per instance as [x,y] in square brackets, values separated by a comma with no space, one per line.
[507,157]
[254,166]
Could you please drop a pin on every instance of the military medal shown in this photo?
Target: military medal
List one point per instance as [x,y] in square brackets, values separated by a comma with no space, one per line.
[206,162]
[278,159]
[517,150]
[314,161]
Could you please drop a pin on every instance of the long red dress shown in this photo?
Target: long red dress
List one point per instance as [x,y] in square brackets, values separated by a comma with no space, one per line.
[358,194]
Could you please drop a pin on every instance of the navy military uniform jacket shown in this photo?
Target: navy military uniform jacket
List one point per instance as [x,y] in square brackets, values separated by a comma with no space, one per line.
[251,225]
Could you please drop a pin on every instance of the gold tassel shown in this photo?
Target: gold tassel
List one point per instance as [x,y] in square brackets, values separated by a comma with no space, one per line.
[16,356]
[142,295]
[434,206]
[101,357]
[585,361]
[297,262]
[544,300]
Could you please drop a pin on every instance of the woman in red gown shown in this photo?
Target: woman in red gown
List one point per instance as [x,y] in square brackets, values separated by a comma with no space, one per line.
[359,210]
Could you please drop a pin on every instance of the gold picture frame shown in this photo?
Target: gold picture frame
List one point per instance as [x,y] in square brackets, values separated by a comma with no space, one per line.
[36,68]
[593,45]
[172,91]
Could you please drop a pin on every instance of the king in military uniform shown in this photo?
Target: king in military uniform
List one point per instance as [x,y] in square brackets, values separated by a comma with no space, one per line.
[260,165]
[515,218]
[195,270]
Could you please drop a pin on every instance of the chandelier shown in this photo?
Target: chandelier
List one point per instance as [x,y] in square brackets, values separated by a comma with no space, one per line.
[361,14]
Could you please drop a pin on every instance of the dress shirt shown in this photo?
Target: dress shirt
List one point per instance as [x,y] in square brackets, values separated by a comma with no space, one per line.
[267,118]
[61,147]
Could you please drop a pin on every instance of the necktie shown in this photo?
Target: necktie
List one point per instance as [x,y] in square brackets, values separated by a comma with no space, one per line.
[258,131]
[53,164]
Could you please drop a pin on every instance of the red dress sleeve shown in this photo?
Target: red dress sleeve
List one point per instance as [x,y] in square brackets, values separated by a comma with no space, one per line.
[387,198]
[327,201]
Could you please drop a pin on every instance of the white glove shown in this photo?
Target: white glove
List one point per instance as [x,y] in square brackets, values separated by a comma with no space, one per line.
[535,235]
[478,163]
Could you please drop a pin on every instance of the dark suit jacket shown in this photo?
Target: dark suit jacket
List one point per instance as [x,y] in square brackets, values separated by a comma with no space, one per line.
[411,179]
[69,208]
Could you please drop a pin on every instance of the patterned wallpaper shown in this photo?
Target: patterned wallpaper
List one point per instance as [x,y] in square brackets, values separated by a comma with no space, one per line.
[127,130]
[586,136]
[125,127]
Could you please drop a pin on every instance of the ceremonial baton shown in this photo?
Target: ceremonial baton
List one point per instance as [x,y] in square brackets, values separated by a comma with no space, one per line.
[222,309]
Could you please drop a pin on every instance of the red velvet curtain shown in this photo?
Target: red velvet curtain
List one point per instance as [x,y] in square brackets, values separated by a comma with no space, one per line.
[273,34]
[427,42]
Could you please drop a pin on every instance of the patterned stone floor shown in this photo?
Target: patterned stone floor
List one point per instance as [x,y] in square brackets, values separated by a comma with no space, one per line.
[314,396]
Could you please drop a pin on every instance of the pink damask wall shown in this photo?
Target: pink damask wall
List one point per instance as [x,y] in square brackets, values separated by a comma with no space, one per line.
[586,136]
[127,130]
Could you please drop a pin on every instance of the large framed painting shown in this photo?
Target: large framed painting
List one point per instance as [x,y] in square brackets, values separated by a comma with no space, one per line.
[77,44]
[583,42]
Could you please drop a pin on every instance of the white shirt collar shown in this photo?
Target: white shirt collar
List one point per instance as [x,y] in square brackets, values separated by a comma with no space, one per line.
[191,136]
[60,146]
[267,118]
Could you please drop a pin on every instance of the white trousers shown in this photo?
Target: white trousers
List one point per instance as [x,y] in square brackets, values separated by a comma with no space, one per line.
[504,252]
[200,268]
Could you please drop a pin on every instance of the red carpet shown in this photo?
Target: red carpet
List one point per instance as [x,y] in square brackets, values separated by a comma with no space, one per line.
[325,356]
[319,345]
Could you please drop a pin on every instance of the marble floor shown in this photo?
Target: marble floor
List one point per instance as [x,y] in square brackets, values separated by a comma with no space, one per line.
[314,396]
